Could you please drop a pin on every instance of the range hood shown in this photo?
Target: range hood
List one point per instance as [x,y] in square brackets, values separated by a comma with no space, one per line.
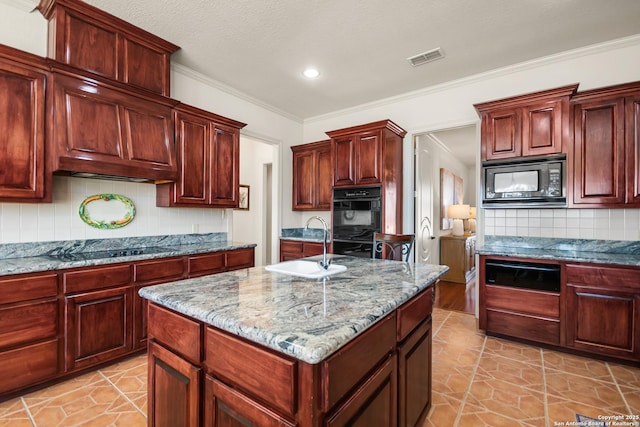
[111,177]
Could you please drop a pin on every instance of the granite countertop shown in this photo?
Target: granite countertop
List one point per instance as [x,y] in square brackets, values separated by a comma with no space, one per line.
[315,235]
[578,250]
[48,256]
[304,318]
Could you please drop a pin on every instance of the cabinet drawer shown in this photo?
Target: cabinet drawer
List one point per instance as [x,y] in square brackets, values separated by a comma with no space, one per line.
[259,372]
[158,270]
[96,278]
[413,312]
[239,258]
[311,249]
[34,363]
[523,300]
[350,364]
[24,288]
[206,264]
[29,322]
[523,326]
[290,246]
[605,277]
[176,332]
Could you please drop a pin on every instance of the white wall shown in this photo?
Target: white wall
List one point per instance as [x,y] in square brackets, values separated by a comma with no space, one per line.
[248,226]
[451,105]
[22,29]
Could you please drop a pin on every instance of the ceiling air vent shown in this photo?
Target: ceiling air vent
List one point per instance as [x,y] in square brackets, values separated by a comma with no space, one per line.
[425,57]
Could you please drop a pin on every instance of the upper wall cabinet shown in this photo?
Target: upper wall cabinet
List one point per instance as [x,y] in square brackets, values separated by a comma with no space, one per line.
[100,127]
[606,150]
[88,38]
[312,176]
[23,80]
[208,147]
[527,125]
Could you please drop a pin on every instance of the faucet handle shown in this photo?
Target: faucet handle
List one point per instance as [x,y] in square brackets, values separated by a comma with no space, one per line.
[325,265]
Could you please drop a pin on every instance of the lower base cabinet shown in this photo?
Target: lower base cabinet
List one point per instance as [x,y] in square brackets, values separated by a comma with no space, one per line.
[295,249]
[381,378]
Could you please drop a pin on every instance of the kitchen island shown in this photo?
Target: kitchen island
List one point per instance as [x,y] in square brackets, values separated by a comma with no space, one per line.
[252,347]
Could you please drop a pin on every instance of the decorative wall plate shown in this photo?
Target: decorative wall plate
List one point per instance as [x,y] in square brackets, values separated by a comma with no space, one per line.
[107,211]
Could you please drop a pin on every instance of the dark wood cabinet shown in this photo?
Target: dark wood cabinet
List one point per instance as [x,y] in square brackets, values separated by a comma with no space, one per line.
[414,376]
[458,253]
[103,129]
[218,262]
[312,176]
[23,83]
[632,145]
[527,125]
[92,40]
[208,155]
[28,330]
[295,249]
[603,310]
[371,155]
[176,386]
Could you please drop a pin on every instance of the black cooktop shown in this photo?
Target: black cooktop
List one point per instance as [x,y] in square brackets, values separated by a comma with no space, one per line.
[114,253]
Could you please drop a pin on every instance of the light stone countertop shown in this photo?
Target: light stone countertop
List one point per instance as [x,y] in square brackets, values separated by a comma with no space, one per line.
[307,319]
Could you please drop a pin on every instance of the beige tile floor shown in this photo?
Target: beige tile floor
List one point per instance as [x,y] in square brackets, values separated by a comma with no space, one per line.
[477,381]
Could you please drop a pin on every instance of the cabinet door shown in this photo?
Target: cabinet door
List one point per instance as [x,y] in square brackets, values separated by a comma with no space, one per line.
[632,132]
[598,176]
[22,115]
[227,407]
[98,327]
[502,134]
[192,133]
[303,180]
[174,389]
[225,166]
[344,161]
[542,128]
[372,404]
[414,373]
[369,158]
[323,179]
[603,321]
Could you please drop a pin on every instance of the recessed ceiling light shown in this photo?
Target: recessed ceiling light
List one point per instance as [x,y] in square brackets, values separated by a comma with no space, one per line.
[311,73]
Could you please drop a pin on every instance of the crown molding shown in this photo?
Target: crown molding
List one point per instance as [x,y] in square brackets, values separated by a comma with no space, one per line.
[488,75]
[188,72]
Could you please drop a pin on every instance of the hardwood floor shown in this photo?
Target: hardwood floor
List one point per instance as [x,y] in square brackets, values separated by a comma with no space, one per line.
[456,296]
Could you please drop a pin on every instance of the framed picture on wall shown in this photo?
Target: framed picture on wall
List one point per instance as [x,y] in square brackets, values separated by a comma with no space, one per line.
[243,203]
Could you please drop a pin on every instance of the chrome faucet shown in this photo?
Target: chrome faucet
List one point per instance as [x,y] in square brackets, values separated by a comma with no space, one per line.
[325,262]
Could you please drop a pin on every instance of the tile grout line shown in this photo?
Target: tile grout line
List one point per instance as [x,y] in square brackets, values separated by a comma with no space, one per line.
[122,394]
[441,323]
[547,421]
[468,390]
[615,381]
[28,411]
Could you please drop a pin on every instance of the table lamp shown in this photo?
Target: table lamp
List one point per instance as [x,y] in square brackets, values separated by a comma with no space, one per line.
[458,213]
[472,219]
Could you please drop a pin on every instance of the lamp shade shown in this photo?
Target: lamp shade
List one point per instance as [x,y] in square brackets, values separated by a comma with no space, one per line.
[472,212]
[458,211]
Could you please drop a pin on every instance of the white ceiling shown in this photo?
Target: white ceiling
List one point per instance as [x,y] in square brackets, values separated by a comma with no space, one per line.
[260,47]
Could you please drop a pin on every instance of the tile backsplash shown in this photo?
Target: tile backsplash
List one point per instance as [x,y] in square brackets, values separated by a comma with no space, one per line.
[611,224]
[40,222]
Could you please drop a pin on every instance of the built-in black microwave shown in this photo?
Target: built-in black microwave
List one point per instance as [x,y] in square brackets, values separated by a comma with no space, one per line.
[535,181]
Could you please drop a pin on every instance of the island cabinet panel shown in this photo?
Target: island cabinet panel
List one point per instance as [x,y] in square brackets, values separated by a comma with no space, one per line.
[177,332]
[260,373]
[28,330]
[147,273]
[98,326]
[374,403]
[227,407]
[88,38]
[414,375]
[413,312]
[603,310]
[349,365]
[175,385]
[22,120]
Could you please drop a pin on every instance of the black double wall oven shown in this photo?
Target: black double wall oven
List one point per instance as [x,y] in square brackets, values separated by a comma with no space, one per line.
[357,215]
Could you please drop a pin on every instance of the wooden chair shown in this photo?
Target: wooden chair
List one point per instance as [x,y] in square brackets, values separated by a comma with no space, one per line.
[392,246]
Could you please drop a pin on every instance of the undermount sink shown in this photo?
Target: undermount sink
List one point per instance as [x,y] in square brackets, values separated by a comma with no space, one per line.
[308,269]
